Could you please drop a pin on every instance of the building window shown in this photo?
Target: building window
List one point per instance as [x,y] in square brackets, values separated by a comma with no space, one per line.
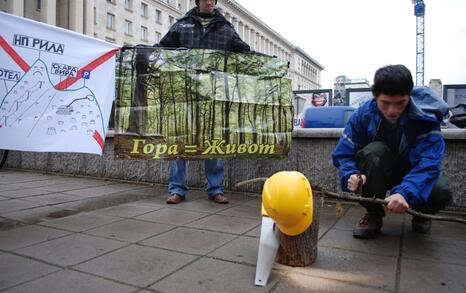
[144,10]
[128,28]
[158,37]
[129,4]
[158,16]
[143,33]
[38,5]
[95,15]
[111,1]
[110,21]
[171,20]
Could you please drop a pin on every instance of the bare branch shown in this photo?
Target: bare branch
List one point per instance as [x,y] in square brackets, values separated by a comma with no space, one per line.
[260,179]
[350,197]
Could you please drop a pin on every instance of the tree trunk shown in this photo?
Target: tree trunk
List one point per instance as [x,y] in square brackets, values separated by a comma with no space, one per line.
[301,250]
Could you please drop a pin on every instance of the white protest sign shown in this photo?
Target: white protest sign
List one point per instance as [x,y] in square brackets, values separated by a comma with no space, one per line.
[56,88]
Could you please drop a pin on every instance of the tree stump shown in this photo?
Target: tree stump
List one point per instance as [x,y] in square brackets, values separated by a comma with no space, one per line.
[301,250]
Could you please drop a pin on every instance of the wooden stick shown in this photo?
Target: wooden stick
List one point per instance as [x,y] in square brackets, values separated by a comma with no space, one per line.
[351,197]
[260,179]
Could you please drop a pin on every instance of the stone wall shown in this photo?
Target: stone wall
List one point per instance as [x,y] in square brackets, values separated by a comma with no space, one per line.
[310,154]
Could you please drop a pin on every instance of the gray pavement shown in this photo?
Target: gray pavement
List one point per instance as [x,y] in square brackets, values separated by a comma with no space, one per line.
[72,234]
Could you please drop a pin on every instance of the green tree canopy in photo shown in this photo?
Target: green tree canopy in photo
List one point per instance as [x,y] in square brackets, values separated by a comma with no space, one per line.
[199,103]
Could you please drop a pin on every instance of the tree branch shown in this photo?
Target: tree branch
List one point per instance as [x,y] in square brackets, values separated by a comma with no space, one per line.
[242,183]
[351,197]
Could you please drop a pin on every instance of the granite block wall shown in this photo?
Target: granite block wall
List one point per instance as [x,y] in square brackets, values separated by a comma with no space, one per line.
[310,154]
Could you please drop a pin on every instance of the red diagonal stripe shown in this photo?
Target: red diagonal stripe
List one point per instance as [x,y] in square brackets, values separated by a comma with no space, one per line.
[10,51]
[89,67]
[99,139]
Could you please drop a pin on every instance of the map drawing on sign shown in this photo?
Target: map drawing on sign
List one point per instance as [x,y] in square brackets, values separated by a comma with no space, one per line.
[56,88]
[53,111]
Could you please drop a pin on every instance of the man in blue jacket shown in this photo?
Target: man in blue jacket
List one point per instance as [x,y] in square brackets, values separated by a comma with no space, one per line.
[392,146]
[203,27]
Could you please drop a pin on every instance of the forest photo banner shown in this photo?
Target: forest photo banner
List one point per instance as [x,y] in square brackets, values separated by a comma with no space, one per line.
[201,104]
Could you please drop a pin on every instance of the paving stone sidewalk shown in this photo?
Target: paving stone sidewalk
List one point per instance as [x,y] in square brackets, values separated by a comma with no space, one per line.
[71,234]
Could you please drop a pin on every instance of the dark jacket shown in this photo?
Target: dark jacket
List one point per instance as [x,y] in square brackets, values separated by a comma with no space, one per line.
[424,146]
[188,32]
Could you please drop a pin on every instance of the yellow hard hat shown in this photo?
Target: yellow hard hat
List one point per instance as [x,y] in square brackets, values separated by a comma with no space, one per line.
[287,199]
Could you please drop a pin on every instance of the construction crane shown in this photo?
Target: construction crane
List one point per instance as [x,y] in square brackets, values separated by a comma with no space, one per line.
[419,11]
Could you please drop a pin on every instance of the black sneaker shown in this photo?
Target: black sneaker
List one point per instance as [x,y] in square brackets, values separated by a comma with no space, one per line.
[368,227]
[421,225]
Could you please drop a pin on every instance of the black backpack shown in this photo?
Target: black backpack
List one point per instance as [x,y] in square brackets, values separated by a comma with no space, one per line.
[458,115]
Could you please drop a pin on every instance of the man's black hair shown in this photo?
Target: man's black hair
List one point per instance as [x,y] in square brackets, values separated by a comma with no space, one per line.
[197,2]
[392,80]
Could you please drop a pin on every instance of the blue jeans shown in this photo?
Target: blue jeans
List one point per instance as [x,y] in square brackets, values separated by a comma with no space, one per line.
[213,172]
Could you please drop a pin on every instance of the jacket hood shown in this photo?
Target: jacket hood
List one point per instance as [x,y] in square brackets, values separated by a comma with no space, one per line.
[426,105]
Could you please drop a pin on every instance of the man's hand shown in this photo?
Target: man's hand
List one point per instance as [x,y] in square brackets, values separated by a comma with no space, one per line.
[396,204]
[354,181]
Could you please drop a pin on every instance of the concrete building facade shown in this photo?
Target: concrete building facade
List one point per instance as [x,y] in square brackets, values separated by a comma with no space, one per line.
[131,22]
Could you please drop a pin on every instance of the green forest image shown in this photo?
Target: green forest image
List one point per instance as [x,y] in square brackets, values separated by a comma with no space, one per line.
[200,104]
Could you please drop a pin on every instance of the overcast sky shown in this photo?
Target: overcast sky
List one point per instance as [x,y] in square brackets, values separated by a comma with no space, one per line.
[354,38]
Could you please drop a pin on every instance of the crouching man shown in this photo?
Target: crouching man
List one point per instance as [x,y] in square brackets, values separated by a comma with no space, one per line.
[392,148]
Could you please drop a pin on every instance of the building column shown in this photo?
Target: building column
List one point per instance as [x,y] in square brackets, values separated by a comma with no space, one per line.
[15,7]
[234,22]
[258,42]
[76,15]
[246,34]
[252,39]
[241,30]
[262,45]
[89,17]
[49,11]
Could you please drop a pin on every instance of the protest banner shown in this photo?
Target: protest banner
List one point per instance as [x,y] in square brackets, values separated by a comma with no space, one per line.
[56,88]
[201,104]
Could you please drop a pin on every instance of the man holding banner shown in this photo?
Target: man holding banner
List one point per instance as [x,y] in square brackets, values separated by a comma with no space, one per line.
[203,27]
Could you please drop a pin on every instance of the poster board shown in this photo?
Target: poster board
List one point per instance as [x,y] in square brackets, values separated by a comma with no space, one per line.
[201,104]
[309,98]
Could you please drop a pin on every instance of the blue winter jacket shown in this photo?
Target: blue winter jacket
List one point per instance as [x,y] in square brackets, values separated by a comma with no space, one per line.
[424,146]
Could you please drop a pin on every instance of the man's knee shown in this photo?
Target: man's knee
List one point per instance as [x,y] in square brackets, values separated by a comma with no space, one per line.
[374,153]
[441,194]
